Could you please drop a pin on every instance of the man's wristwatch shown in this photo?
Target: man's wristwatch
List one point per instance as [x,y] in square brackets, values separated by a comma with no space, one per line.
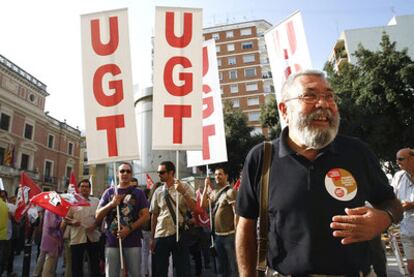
[390,214]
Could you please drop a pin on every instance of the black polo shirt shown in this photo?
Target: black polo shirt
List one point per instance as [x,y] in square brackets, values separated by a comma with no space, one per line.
[304,196]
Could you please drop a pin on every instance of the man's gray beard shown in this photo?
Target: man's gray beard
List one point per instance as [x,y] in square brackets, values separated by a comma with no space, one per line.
[314,138]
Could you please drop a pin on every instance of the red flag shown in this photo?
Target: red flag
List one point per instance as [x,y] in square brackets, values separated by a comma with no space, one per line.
[27,189]
[58,203]
[150,182]
[236,185]
[72,187]
[201,216]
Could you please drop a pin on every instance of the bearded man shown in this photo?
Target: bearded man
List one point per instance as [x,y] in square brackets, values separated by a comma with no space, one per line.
[318,187]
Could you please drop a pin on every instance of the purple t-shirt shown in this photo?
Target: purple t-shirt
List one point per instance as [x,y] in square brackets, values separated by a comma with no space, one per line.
[129,208]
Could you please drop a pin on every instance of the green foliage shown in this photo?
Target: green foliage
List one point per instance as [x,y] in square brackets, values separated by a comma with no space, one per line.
[269,116]
[238,140]
[377,98]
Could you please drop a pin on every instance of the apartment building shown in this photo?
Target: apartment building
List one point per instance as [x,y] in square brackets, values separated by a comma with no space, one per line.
[244,70]
[399,29]
[30,139]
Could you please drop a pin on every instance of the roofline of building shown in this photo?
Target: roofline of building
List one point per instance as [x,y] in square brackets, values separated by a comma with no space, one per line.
[238,23]
[24,75]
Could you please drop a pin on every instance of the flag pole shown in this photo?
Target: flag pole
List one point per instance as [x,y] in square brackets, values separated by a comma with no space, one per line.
[210,213]
[177,162]
[118,216]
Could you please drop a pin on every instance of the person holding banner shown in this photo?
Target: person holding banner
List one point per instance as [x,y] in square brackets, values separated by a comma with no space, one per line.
[133,207]
[163,223]
[223,200]
[319,182]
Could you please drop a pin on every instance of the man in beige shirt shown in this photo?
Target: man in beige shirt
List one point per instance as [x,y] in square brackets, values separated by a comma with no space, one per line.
[84,234]
[223,200]
[163,222]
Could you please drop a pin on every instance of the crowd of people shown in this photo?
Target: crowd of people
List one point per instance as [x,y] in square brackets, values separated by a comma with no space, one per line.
[328,203]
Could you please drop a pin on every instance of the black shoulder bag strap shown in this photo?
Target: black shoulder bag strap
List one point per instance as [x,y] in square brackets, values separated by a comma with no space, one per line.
[263,215]
[169,205]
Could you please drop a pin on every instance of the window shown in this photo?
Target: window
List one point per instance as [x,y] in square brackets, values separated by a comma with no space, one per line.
[249,58]
[50,141]
[5,122]
[218,62]
[247,45]
[231,60]
[246,32]
[230,47]
[253,101]
[70,148]
[229,34]
[2,155]
[251,86]
[250,72]
[28,131]
[253,116]
[256,131]
[267,89]
[218,48]
[216,36]
[235,103]
[48,171]
[221,90]
[234,88]
[232,74]
[221,76]
[24,161]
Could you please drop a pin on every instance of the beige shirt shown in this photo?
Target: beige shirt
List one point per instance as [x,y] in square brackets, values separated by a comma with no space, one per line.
[165,224]
[86,217]
[224,216]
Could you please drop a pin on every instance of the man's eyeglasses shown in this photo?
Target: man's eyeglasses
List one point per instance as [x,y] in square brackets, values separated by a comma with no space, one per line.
[312,98]
[122,171]
[161,172]
[400,159]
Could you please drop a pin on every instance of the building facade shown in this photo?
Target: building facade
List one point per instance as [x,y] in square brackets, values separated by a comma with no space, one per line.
[244,69]
[30,139]
[399,29]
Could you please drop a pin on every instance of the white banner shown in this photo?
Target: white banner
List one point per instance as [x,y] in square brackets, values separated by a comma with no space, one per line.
[177,103]
[287,50]
[111,133]
[214,136]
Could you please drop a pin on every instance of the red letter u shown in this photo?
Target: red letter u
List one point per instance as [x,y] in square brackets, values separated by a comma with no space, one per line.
[172,39]
[110,47]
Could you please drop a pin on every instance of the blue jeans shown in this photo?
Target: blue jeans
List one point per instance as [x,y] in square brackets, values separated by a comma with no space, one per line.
[180,253]
[226,256]
[132,260]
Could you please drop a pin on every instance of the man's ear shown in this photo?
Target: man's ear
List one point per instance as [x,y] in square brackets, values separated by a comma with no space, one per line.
[283,110]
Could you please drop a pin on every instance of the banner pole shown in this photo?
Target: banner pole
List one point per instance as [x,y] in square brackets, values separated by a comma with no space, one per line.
[118,216]
[210,213]
[177,162]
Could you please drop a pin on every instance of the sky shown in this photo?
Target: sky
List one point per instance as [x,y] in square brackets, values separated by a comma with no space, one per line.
[43,37]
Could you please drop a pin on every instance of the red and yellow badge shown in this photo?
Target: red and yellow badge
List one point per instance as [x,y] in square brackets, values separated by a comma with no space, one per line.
[340,184]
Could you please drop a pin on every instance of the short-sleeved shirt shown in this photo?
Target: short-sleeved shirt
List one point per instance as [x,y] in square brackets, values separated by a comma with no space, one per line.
[86,216]
[133,202]
[404,189]
[4,220]
[165,224]
[304,196]
[224,199]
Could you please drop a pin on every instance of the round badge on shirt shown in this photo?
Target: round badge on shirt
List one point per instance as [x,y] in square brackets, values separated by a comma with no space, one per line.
[340,184]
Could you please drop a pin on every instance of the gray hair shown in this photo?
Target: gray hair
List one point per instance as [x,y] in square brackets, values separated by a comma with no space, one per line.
[290,82]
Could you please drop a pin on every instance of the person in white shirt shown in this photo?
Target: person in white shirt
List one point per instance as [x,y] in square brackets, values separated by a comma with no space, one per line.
[403,183]
[84,232]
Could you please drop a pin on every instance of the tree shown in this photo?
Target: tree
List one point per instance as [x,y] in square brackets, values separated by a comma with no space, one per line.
[377,98]
[269,116]
[238,140]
